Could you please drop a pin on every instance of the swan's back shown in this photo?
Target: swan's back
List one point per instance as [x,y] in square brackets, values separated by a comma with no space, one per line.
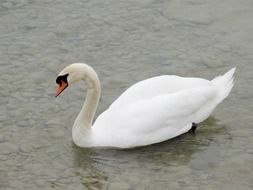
[157,86]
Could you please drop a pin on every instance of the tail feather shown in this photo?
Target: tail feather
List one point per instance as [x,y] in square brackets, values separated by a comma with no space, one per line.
[224,84]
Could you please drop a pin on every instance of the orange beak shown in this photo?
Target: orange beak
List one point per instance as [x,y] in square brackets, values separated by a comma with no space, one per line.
[63,85]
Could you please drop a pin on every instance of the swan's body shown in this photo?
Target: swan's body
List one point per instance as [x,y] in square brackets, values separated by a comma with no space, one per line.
[150,111]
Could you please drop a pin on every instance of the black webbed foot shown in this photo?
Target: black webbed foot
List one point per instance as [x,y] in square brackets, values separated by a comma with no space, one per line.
[194,127]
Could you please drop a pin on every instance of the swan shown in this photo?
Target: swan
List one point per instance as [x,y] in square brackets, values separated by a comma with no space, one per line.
[150,111]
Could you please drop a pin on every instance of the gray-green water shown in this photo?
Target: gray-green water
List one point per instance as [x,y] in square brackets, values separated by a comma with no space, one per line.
[125,41]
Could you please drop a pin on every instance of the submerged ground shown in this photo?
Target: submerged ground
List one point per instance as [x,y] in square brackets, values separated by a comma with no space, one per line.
[125,41]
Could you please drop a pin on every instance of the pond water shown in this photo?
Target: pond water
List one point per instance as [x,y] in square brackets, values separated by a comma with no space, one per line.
[125,41]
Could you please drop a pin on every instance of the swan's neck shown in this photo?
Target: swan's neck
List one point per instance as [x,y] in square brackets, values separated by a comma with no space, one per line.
[85,118]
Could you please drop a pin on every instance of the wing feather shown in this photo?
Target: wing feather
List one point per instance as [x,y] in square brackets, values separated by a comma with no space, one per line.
[163,114]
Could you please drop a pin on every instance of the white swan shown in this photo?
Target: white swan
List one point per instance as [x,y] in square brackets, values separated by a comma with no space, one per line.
[150,111]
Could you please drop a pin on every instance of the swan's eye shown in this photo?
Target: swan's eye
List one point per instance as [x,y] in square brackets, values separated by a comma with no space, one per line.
[61,78]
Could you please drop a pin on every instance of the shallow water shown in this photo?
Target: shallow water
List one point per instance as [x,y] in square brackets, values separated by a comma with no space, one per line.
[125,41]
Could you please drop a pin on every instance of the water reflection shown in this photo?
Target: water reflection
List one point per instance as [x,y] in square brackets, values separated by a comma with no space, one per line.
[100,168]
[86,168]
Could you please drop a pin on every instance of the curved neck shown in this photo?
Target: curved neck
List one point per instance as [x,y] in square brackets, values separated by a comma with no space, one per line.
[85,117]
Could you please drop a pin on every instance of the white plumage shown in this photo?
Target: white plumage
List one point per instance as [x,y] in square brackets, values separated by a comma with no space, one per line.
[150,111]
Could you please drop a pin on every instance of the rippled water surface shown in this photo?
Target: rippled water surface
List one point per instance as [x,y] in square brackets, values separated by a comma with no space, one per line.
[125,41]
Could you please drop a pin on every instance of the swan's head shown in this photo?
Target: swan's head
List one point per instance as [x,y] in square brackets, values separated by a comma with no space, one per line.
[69,75]
[73,73]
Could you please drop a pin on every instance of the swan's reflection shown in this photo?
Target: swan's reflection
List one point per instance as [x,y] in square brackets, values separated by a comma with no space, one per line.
[99,168]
